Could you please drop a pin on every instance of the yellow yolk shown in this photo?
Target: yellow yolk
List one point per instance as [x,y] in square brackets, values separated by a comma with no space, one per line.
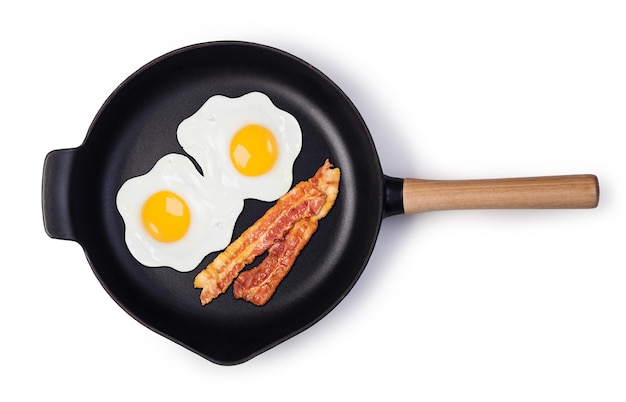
[165,215]
[253,150]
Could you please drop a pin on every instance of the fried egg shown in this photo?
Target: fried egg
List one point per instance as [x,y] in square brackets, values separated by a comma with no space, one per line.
[174,216]
[247,144]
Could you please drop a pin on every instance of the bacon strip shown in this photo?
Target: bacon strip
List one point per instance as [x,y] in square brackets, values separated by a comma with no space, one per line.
[302,201]
[259,284]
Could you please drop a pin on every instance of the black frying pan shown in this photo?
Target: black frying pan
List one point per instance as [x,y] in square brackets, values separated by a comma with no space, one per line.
[137,125]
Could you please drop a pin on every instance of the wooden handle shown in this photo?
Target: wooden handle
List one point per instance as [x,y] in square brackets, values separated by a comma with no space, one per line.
[575,191]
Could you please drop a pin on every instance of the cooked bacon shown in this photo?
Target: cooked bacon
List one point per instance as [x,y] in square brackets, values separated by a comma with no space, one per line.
[302,201]
[259,284]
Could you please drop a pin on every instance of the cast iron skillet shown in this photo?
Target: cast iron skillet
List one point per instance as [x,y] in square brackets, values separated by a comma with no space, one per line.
[137,125]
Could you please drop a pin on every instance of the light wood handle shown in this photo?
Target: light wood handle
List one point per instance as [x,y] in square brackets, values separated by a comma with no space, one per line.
[575,191]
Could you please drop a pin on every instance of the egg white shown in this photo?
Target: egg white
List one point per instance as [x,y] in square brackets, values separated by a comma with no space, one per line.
[213,213]
[207,134]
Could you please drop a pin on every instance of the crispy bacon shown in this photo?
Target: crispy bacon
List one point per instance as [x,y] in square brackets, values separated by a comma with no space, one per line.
[300,209]
[302,201]
[259,284]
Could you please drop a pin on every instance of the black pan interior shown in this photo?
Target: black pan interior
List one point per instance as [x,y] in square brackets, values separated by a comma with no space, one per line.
[137,125]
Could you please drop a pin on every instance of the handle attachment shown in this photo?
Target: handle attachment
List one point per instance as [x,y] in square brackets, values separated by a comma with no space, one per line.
[573,191]
[55,193]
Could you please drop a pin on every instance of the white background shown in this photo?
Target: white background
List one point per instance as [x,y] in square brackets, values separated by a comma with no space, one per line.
[453,306]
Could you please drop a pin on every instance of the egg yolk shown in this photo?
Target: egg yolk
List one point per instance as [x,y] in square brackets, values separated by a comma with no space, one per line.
[165,216]
[253,150]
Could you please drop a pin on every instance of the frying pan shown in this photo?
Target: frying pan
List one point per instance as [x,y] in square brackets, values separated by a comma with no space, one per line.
[137,125]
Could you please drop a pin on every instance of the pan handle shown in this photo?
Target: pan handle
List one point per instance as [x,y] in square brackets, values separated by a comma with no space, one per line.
[573,191]
[55,193]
